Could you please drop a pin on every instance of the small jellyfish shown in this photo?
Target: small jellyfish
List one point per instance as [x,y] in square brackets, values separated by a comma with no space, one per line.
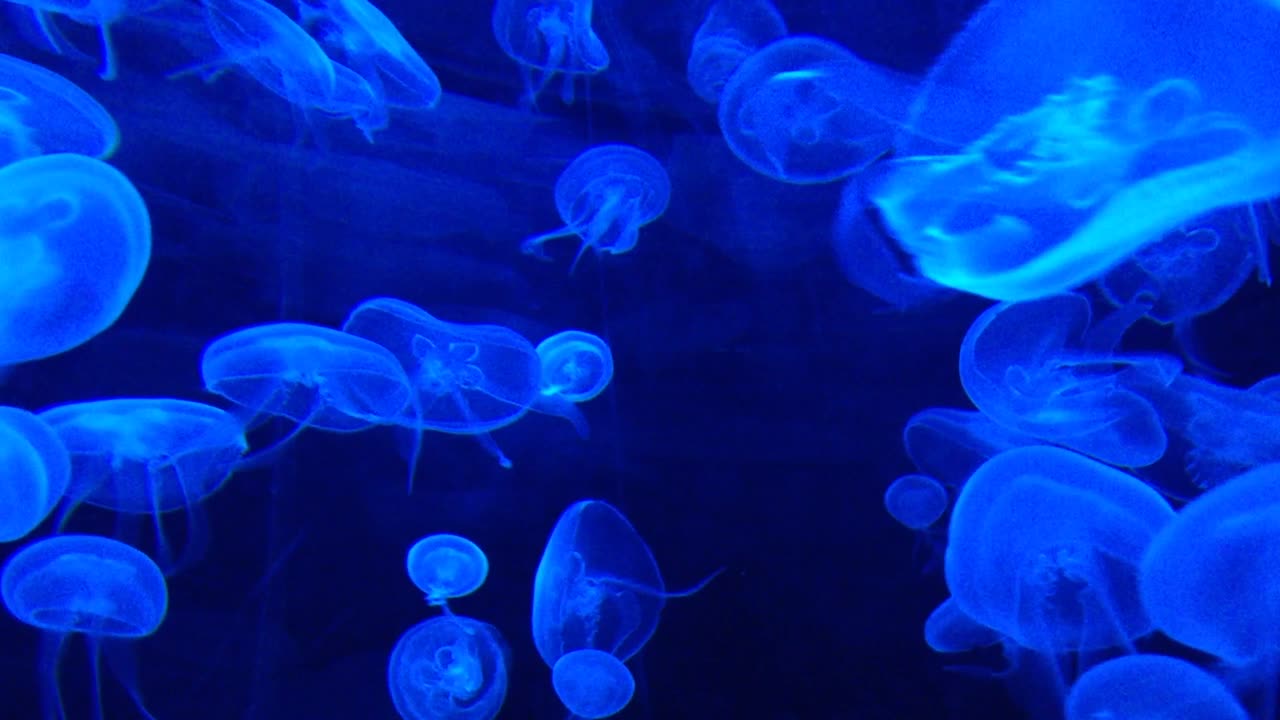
[448,668]
[949,630]
[592,683]
[806,110]
[75,241]
[546,38]
[445,567]
[43,113]
[1151,687]
[576,367]
[916,501]
[730,33]
[84,585]
[35,471]
[604,197]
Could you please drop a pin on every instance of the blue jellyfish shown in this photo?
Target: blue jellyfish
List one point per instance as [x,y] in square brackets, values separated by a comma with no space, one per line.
[1151,687]
[1044,546]
[730,33]
[546,38]
[604,197]
[449,668]
[35,471]
[1017,179]
[42,113]
[806,110]
[83,585]
[576,367]
[445,567]
[916,501]
[75,238]
[592,683]
[949,444]
[100,13]
[949,630]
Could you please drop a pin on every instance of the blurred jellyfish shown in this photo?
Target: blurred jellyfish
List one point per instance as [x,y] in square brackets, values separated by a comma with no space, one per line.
[592,683]
[916,501]
[83,585]
[576,367]
[546,38]
[949,444]
[449,668]
[100,13]
[604,197]
[949,630]
[806,110]
[1151,687]
[445,567]
[42,112]
[730,33]
[75,241]
[35,471]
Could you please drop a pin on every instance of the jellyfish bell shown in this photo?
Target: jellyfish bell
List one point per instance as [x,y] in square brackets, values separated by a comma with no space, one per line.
[446,566]
[592,684]
[449,668]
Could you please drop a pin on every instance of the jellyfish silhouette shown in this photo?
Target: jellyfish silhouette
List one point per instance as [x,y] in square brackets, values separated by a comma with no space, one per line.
[592,683]
[916,501]
[446,566]
[730,33]
[576,367]
[449,668]
[76,240]
[43,113]
[35,471]
[83,585]
[100,13]
[1044,546]
[604,197]
[547,38]
[1152,687]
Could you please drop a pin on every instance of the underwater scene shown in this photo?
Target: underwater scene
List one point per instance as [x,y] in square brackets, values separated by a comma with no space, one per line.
[578,359]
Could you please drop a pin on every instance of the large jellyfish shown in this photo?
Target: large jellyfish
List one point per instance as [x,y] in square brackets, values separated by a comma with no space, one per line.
[549,37]
[730,33]
[42,113]
[449,668]
[1151,687]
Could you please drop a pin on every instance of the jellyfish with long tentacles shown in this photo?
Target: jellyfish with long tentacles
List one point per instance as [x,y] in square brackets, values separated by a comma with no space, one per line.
[548,38]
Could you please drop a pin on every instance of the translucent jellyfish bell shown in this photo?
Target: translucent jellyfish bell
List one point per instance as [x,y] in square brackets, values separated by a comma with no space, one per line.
[916,501]
[949,444]
[730,33]
[806,110]
[445,567]
[1151,687]
[449,668]
[35,471]
[1044,547]
[592,684]
[576,367]
[549,37]
[604,197]
[42,112]
[949,630]
[75,241]
[100,13]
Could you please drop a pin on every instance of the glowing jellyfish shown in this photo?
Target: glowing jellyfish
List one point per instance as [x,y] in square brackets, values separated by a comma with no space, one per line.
[448,668]
[604,197]
[1151,687]
[592,683]
[576,367]
[1020,179]
[75,241]
[806,110]
[949,444]
[100,13]
[549,37]
[42,112]
[445,567]
[730,33]
[35,471]
[916,501]
[84,585]
[1044,547]
[949,630]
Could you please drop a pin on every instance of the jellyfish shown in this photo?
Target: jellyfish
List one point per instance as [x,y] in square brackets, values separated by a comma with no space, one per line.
[604,197]
[805,110]
[730,33]
[83,585]
[35,471]
[592,683]
[949,630]
[42,113]
[101,13]
[949,444]
[576,367]
[1151,687]
[546,38]
[75,241]
[449,668]
[1044,546]
[916,501]
[1018,179]
[445,567]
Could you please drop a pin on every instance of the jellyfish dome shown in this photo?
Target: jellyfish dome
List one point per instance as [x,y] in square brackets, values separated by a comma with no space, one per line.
[916,501]
[42,113]
[448,668]
[1151,687]
[592,683]
[949,630]
[75,241]
[547,38]
[576,365]
[446,566]
[35,471]
[730,33]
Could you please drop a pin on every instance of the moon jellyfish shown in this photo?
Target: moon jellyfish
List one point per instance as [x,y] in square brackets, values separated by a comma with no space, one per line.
[604,197]
[35,471]
[83,585]
[445,567]
[1151,687]
[1044,547]
[949,630]
[448,668]
[42,113]
[100,13]
[949,444]
[1100,127]
[916,501]
[806,110]
[576,367]
[592,683]
[730,33]
[75,241]
[549,37]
